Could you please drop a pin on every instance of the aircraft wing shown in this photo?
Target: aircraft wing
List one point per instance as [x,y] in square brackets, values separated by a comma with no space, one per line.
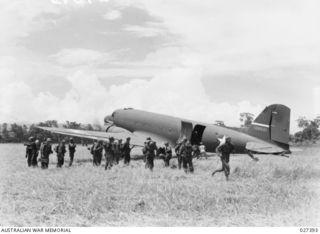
[264,148]
[97,135]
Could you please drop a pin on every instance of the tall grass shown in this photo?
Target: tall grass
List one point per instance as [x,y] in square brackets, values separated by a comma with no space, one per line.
[276,191]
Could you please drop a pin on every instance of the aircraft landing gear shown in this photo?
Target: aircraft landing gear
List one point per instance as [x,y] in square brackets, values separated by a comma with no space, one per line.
[250,154]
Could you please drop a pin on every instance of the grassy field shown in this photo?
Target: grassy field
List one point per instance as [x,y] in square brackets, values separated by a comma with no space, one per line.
[276,191]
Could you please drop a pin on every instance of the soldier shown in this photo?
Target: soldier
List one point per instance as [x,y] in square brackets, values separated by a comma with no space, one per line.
[72,150]
[168,154]
[60,150]
[117,151]
[144,151]
[109,153]
[97,153]
[186,153]
[31,150]
[34,160]
[202,149]
[177,151]
[45,151]
[95,142]
[126,151]
[196,151]
[151,153]
[224,152]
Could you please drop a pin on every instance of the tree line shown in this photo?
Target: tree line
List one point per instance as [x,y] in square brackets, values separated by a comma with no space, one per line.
[16,133]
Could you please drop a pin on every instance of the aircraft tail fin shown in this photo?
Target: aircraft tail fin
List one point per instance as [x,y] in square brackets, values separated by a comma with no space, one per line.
[273,124]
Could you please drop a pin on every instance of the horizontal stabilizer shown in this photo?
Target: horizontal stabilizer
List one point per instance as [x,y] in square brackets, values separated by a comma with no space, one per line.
[264,148]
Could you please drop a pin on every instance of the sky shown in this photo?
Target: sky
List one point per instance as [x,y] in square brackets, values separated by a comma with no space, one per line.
[205,60]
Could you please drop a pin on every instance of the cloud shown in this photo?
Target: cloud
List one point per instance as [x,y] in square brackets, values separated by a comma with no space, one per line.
[112,15]
[150,29]
[79,56]
[178,91]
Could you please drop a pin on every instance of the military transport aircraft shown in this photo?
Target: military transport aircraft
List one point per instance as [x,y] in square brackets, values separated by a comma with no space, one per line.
[268,134]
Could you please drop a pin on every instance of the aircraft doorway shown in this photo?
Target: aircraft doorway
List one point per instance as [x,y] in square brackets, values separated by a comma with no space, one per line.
[196,136]
[186,130]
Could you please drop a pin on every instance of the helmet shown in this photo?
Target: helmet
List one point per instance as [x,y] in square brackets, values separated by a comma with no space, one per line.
[149,139]
[48,139]
[128,138]
[31,138]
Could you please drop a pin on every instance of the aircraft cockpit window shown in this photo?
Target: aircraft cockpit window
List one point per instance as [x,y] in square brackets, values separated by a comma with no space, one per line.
[113,114]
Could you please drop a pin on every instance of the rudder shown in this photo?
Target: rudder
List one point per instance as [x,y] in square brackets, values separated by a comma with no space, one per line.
[273,124]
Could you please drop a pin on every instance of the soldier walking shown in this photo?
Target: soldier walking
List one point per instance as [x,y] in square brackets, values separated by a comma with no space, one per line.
[95,142]
[196,151]
[177,149]
[34,160]
[117,151]
[109,153]
[202,149]
[224,152]
[45,151]
[72,150]
[168,154]
[31,150]
[60,150]
[97,153]
[186,153]
[126,151]
[151,153]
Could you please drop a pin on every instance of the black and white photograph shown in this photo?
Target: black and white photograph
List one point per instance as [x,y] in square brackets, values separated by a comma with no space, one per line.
[159,113]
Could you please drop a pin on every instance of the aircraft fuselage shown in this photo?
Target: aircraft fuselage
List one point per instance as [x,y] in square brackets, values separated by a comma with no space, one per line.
[172,128]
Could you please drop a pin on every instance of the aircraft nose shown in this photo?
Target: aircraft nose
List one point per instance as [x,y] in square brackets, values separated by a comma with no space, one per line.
[108,119]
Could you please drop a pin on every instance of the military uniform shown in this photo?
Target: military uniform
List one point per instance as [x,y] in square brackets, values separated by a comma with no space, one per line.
[97,154]
[179,157]
[196,151]
[34,160]
[109,154]
[168,155]
[202,149]
[60,150]
[225,150]
[72,150]
[31,150]
[151,150]
[126,151]
[45,151]
[144,151]
[117,151]
[186,153]
[92,152]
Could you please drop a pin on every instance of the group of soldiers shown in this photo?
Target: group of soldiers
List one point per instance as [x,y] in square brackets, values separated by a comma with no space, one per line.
[115,150]
[34,147]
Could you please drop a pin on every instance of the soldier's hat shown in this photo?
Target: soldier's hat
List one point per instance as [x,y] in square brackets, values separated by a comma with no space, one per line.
[166,143]
[48,139]
[149,139]
[63,141]
[31,138]
[128,138]
[111,138]
[120,139]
